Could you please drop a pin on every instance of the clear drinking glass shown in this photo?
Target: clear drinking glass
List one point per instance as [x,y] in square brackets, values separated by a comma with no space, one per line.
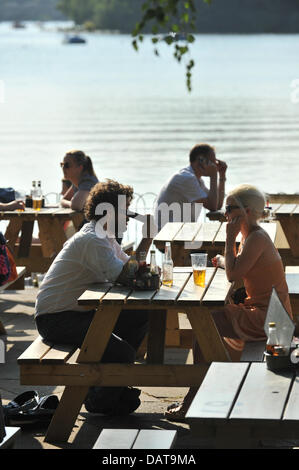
[199,265]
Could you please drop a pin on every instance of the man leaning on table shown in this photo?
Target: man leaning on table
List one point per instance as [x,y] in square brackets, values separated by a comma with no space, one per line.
[93,255]
[187,186]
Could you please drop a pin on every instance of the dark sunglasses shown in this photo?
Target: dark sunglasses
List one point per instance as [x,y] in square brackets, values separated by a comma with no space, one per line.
[65,165]
[229,208]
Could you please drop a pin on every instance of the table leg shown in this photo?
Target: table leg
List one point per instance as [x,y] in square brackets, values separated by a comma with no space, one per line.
[99,333]
[92,349]
[12,232]
[206,333]
[77,220]
[46,237]
[65,415]
[156,336]
[26,239]
[58,234]
[178,254]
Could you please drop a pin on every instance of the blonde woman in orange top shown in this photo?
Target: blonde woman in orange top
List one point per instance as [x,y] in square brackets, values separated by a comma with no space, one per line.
[258,264]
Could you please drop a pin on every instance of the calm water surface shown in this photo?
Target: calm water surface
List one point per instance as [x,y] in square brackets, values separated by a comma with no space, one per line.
[132,114]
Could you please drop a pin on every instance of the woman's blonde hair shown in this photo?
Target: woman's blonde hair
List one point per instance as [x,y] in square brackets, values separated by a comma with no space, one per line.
[247,195]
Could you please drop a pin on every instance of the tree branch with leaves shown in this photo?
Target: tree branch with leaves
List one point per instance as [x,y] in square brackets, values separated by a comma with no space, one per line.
[175,19]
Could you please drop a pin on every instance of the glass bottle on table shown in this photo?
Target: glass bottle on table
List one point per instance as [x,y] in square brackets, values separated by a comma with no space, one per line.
[142,261]
[153,264]
[37,197]
[272,345]
[133,265]
[33,189]
[167,267]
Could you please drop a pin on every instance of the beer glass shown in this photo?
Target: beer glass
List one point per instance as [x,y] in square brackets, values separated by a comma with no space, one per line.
[199,265]
[37,203]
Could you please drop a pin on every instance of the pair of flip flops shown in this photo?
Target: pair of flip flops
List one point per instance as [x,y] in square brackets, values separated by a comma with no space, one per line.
[29,408]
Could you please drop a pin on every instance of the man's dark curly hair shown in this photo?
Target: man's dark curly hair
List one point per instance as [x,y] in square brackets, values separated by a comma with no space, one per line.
[105,192]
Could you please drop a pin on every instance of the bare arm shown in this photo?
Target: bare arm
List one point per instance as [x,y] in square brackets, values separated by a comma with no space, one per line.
[65,201]
[211,201]
[221,167]
[236,267]
[73,200]
[149,230]
[12,206]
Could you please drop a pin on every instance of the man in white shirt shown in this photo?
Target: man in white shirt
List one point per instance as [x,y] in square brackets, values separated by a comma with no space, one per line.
[187,186]
[93,255]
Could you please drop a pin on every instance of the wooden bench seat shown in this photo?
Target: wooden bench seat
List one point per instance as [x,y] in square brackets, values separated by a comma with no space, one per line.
[240,403]
[17,283]
[135,439]
[43,352]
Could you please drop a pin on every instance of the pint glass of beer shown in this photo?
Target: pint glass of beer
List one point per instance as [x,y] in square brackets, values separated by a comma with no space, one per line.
[37,203]
[199,265]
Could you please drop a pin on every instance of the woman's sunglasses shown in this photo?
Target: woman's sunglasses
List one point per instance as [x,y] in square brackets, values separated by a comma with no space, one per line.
[65,165]
[229,208]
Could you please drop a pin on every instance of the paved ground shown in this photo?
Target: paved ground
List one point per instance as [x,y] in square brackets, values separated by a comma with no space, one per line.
[16,313]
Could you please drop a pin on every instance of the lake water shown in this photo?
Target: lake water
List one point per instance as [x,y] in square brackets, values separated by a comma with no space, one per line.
[132,114]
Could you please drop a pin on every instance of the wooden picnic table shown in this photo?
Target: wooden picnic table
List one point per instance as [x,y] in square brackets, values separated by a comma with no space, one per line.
[252,403]
[196,236]
[84,369]
[37,257]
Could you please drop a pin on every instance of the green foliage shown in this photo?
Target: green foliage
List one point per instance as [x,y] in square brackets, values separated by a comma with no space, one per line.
[178,17]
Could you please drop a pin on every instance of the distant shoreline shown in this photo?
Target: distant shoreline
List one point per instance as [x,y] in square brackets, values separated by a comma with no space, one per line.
[82,29]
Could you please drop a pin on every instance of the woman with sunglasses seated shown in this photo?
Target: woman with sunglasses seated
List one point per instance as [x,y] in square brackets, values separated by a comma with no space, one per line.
[78,169]
[258,264]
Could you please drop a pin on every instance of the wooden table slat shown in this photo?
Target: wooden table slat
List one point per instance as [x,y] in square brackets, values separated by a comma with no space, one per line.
[296,210]
[263,394]
[116,439]
[117,293]
[208,232]
[154,439]
[193,293]
[94,294]
[188,232]
[293,283]
[36,351]
[275,206]
[286,209]
[225,380]
[168,232]
[141,295]
[292,410]
[171,293]
[58,354]
[218,290]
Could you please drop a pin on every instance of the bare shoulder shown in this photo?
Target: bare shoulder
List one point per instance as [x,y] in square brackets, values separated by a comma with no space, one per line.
[259,237]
